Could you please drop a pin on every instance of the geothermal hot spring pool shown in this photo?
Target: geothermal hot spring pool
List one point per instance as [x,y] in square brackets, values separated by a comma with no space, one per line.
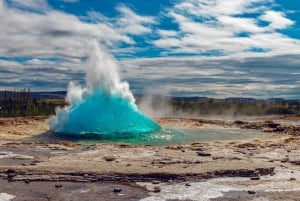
[164,137]
[104,110]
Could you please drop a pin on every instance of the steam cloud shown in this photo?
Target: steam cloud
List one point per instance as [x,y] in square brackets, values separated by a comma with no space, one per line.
[104,106]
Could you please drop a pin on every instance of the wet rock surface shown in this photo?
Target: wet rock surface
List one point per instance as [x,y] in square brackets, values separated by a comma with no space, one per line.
[259,195]
[77,191]
[102,168]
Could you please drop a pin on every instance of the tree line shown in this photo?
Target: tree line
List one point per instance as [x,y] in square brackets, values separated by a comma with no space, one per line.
[237,108]
[21,102]
[200,106]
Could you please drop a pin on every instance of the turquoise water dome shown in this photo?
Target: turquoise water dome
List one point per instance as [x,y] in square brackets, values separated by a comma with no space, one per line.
[105,114]
[105,106]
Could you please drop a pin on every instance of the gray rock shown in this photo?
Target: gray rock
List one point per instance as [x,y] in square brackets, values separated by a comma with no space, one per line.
[109,158]
[156,189]
[117,190]
[201,153]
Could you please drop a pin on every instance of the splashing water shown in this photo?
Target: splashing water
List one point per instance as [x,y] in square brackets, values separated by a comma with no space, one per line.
[104,106]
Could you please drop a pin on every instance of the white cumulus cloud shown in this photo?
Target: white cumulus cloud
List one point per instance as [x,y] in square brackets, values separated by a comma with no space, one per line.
[277,20]
[131,23]
[225,26]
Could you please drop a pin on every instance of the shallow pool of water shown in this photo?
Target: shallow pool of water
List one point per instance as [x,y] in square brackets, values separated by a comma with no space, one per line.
[165,136]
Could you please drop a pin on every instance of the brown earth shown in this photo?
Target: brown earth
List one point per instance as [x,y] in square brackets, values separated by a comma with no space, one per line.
[108,165]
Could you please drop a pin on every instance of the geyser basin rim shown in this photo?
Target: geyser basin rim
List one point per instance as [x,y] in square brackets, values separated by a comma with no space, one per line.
[114,134]
[168,136]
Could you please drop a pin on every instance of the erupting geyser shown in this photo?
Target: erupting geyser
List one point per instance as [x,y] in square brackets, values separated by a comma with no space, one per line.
[104,106]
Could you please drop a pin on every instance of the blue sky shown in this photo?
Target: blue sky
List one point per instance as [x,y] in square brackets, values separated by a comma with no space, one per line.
[215,48]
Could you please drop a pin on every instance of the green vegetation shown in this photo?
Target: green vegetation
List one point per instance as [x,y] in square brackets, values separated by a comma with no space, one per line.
[227,107]
[15,103]
[236,107]
[22,102]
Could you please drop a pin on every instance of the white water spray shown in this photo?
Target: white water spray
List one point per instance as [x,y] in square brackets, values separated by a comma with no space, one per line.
[104,106]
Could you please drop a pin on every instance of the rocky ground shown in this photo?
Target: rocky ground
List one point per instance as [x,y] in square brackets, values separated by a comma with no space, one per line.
[237,170]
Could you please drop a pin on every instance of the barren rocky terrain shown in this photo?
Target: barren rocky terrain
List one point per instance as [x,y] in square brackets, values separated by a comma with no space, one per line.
[64,170]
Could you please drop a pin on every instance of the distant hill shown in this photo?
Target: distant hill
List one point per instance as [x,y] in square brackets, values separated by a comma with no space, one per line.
[240,99]
[62,95]
[49,95]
